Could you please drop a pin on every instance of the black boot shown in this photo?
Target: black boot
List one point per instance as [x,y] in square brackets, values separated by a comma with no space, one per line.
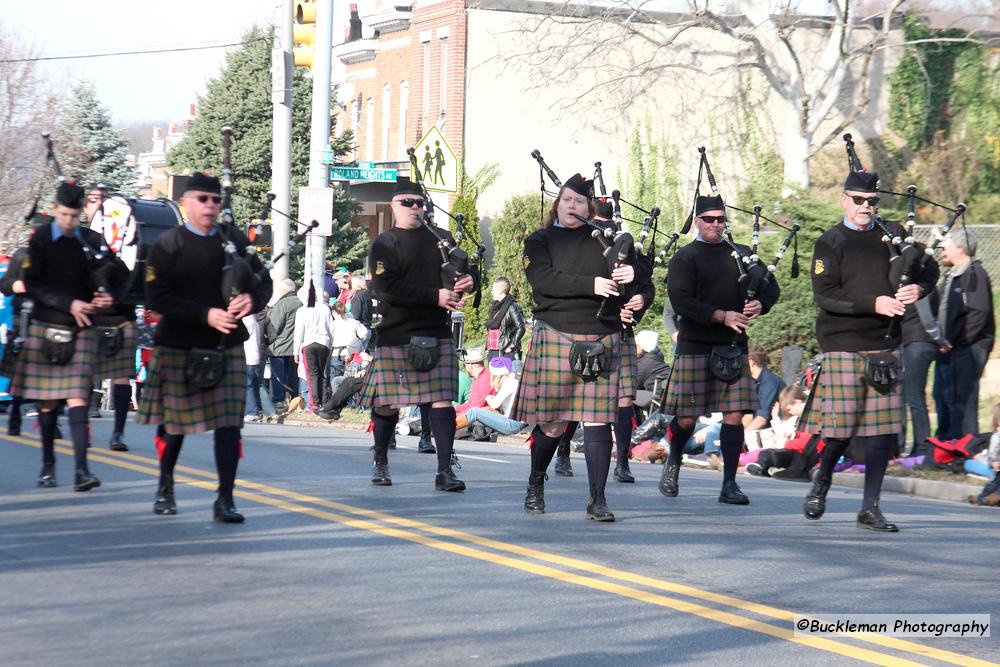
[597,506]
[380,475]
[622,473]
[425,446]
[95,404]
[669,479]
[47,477]
[563,467]
[165,503]
[534,502]
[446,481]
[815,504]
[731,494]
[392,440]
[224,510]
[652,428]
[85,480]
[872,519]
[116,444]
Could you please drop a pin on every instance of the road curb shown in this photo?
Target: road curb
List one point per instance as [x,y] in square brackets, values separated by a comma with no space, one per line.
[913,486]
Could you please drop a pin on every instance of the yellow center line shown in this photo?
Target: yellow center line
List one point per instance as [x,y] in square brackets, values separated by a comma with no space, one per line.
[150,466]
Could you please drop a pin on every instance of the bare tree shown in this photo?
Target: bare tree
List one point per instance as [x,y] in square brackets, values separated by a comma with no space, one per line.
[27,108]
[817,71]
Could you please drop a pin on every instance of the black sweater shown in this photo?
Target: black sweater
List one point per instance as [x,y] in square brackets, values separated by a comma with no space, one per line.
[56,273]
[702,278]
[406,275]
[561,265]
[183,282]
[850,269]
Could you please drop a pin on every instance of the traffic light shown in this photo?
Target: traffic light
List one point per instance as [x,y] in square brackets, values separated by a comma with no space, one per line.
[304,33]
[259,235]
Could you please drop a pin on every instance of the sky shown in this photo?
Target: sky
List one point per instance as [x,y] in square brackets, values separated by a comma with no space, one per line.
[134,87]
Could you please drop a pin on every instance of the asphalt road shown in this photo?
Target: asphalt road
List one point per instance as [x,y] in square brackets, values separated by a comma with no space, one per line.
[329,570]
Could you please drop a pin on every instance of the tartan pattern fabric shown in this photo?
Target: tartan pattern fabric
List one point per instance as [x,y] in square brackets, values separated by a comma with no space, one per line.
[35,378]
[550,392]
[492,339]
[628,374]
[842,405]
[391,381]
[121,364]
[694,391]
[168,399]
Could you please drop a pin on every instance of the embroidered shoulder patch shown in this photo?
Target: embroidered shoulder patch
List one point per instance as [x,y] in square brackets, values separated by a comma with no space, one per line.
[527,261]
[379,268]
[150,273]
[26,262]
[820,267]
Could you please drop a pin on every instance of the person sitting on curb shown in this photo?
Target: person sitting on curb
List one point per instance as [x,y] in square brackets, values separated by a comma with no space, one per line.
[496,414]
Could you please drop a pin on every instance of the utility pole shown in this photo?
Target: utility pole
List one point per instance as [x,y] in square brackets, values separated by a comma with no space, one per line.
[319,135]
[281,140]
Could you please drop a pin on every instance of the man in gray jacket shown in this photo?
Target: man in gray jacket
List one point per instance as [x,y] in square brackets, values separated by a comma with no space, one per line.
[280,347]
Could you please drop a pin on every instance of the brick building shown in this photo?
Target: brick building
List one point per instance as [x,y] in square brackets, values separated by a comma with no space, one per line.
[404,71]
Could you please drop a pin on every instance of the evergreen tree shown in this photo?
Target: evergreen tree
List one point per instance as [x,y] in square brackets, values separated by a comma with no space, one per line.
[88,148]
[240,98]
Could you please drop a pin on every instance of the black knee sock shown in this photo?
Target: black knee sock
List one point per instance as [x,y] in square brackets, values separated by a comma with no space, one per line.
[566,439]
[731,444]
[678,437]
[47,426]
[878,451]
[833,449]
[597,451]
[14,412]
[382,429]
[121,396]
[80,433]
[169,454]
[443,427]
[227,457]
[543,448]
[425,419]
[623,432]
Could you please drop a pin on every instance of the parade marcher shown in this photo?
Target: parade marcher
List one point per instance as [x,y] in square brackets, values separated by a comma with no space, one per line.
[12,284]
[415,361]
[115,327]
[505,326]
[58,359]
[197,377]
[706,294]
[967,324]
[854,394]
[572,370]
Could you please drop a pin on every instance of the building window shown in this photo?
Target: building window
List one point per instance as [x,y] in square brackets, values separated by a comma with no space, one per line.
[444,73]
[386,120]
[427,85]
[404,108]
[356,123]
[370,130]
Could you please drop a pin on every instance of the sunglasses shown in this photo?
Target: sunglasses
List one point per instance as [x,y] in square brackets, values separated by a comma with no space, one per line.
[712,219]
[858,201]
[410,203]
[204,199]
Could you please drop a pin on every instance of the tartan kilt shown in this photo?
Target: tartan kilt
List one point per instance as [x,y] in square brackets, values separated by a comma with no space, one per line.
[122,363]
[628,374]
[694,391]
[391,381]
[35,378]
[842,405]
[167,398]
[549,391]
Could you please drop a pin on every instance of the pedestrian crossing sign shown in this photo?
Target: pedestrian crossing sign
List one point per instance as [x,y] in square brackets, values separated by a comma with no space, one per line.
[436,162]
